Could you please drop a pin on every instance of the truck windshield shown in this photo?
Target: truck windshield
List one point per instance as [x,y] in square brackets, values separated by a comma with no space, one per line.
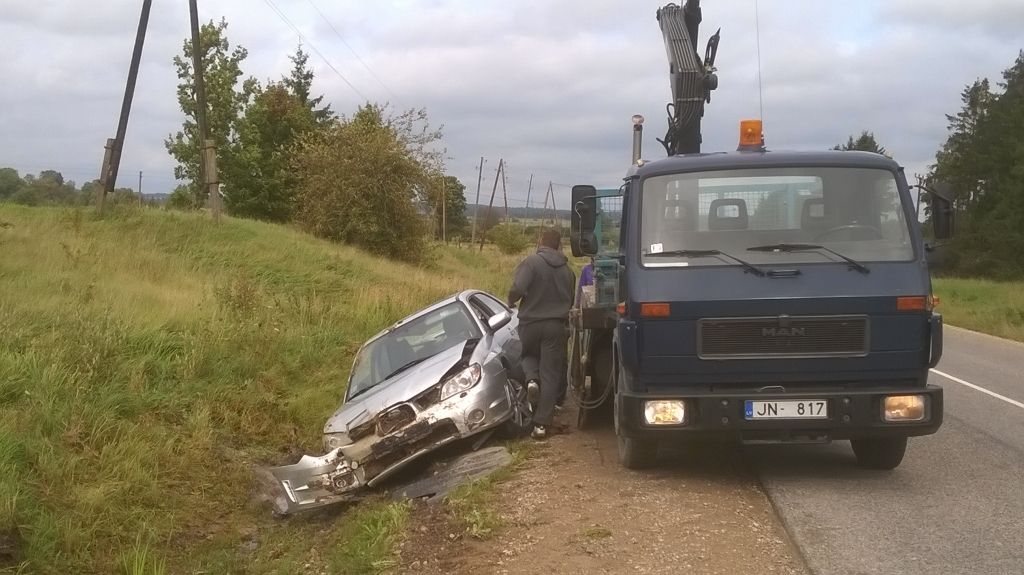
[854,211]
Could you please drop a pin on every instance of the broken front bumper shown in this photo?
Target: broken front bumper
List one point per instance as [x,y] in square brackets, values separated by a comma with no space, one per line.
[341,474]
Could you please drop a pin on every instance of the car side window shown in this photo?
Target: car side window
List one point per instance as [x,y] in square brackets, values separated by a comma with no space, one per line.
[479,309]
[493,306]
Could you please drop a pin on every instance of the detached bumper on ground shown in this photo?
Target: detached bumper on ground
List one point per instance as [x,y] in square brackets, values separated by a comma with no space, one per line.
[344,472]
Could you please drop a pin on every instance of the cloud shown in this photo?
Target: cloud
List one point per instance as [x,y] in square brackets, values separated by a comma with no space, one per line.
[549,86]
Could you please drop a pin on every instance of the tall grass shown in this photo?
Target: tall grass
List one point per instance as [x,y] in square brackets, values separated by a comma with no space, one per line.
[149,360]
[982,305]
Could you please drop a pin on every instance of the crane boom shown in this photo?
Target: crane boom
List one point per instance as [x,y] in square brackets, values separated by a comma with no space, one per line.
[692,79]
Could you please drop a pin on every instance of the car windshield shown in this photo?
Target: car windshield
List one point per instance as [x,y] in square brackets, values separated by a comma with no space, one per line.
[855,212]
[413,342]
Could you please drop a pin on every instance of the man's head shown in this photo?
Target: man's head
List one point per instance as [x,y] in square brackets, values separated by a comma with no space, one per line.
[551,238]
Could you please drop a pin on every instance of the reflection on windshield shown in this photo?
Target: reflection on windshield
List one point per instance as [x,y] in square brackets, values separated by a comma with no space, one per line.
[409,344]
[853,211]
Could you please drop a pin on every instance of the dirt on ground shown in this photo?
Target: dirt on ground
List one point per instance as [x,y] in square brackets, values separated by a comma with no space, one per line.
[573,509]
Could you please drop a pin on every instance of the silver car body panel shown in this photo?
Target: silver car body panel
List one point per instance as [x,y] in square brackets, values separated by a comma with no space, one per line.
[360,456]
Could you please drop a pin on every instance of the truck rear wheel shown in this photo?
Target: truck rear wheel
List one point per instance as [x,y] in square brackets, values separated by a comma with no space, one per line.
[883,453]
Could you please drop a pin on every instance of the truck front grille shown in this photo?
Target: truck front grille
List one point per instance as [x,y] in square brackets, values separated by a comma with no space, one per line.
[782,337]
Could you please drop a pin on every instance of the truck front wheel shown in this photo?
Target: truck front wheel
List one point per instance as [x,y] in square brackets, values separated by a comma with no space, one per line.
[633,453]
[886,453]
[636,453]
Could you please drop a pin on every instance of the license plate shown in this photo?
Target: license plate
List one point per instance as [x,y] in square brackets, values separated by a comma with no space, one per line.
[790,409]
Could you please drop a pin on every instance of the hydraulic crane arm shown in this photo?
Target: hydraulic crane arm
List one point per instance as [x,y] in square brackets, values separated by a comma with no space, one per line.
[692,80]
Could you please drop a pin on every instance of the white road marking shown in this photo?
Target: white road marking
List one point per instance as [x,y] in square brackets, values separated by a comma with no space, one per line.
[979,388]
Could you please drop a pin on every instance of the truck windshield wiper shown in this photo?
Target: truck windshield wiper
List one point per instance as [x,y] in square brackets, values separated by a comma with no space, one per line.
[706,254]
[854,264]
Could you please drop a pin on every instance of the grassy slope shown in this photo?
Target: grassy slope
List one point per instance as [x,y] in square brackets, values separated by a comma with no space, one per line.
[992,307]
[147,360]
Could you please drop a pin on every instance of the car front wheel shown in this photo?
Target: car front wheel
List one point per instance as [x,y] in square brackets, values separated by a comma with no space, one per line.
[521,421]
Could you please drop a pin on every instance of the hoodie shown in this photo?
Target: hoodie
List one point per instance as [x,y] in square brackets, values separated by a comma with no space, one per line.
[543,286]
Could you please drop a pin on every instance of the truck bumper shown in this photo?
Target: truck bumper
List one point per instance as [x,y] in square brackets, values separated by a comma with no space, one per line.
[852,414]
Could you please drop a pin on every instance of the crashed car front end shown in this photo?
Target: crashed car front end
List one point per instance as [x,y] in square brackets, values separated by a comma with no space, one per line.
[365,448]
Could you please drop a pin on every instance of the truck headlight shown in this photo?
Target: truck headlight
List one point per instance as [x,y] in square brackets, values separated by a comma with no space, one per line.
[665,412]
[904,408]
[461,381]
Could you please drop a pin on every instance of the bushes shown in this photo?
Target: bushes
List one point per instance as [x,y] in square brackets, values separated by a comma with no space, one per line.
[510,239]
[356,182]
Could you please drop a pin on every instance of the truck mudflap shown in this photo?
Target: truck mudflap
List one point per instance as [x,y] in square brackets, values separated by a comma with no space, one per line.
[851,414]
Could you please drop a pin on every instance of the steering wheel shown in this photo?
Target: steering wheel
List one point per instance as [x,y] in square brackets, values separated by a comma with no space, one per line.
[877,233]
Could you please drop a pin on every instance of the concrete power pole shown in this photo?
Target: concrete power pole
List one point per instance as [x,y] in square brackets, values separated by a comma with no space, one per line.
[112,153]
[207,154]
[140,188]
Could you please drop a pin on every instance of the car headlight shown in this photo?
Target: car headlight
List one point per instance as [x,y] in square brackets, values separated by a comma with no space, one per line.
[333,441]
[461,381]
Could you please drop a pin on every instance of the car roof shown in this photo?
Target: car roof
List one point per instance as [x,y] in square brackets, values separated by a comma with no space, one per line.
[462,296]
[765,159]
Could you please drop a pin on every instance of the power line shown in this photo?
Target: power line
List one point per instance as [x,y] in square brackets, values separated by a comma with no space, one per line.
[302,37]
[351,49]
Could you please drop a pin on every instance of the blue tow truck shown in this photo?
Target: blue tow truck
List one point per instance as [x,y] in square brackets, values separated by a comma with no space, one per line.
[754,295]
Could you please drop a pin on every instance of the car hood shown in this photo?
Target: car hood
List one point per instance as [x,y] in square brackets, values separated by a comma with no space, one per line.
[402,387]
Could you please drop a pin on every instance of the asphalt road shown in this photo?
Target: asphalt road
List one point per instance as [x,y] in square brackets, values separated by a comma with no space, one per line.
[955,505]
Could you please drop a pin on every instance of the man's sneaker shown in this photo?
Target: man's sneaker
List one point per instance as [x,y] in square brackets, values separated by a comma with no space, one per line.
[539,432]
[532,391]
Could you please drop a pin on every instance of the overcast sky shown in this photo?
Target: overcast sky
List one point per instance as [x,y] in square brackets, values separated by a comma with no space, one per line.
[549,86]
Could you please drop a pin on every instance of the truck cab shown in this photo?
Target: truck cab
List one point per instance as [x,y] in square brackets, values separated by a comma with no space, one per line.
[759,296]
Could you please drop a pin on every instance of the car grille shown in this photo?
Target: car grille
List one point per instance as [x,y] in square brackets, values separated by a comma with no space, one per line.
[395,419]
[782,336]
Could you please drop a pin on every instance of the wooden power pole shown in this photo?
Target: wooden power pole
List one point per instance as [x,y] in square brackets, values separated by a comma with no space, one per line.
[494,190]
[476,204]
[112,151]
[207,151]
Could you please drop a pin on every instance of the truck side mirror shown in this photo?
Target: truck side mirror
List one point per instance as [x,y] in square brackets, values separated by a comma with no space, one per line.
[583,221]
[943,214]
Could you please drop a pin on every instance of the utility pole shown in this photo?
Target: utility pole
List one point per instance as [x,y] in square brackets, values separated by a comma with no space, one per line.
[207,154]
[444,211]
[528,190]
[140,188]
[498,174]
[476,204]
[109,175]
[108,150]
[504,194]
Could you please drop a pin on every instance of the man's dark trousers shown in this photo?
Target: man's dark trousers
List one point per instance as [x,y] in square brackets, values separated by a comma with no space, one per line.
[544,341]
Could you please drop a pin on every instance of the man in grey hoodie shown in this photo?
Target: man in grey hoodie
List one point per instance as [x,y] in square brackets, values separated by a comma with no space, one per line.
[543,288]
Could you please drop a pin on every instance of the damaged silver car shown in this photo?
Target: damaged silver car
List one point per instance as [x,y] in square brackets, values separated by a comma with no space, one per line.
[448,372]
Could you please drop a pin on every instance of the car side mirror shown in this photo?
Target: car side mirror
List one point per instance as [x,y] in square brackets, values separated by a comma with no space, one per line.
[499,320]
[583,221]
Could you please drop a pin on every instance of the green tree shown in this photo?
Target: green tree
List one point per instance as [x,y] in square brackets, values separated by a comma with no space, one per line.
[865,143]
[983,159]
[48,188]
[300,83]
[356,180]
[10,182]
[263,185]
[454,213]
[225,102]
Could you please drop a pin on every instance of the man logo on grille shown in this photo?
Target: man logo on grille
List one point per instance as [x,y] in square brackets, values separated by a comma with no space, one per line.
[783,332]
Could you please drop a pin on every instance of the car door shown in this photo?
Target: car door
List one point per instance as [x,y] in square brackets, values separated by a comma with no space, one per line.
[505,340]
